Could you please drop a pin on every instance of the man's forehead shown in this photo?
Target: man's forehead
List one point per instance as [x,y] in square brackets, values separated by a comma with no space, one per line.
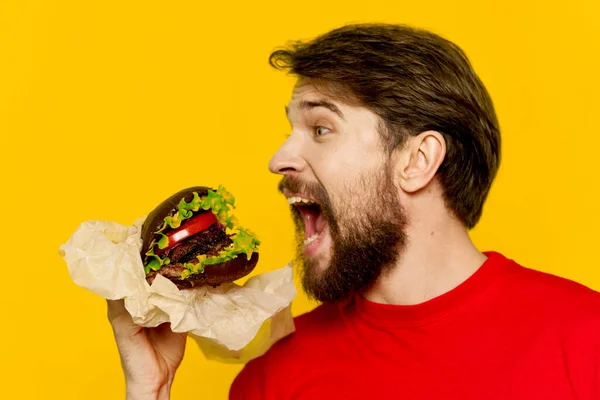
[307,90]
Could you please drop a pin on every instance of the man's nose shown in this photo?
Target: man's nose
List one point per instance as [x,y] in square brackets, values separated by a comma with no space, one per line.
[288,159]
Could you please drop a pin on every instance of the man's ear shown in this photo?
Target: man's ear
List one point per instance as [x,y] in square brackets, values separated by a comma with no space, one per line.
[419,160]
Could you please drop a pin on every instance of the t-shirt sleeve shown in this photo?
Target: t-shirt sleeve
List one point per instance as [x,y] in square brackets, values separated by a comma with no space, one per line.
[250,382]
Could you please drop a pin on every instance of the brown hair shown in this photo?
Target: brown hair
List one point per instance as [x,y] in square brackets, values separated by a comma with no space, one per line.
[414,81]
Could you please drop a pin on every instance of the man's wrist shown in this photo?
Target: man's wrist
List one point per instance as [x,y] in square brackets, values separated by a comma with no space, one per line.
[145,392]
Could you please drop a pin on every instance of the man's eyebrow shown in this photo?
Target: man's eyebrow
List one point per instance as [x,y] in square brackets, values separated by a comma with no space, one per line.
[309,105]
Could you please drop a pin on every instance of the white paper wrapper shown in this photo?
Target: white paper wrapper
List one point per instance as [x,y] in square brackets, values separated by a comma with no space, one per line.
[230,323]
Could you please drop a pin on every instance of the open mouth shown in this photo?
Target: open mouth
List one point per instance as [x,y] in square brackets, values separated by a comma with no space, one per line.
[312,216]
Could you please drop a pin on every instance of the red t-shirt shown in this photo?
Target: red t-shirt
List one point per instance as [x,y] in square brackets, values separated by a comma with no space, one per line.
[507,332]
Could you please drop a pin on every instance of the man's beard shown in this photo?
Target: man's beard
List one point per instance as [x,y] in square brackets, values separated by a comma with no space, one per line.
[367,234]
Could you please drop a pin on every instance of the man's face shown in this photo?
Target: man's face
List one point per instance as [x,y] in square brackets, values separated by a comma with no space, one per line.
[339,183]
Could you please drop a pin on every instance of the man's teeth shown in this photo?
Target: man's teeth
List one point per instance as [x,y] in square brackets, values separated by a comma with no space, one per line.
[311,239]
[296,200]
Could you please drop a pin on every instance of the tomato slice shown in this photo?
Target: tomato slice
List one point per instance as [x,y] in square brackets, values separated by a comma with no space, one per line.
[194,225]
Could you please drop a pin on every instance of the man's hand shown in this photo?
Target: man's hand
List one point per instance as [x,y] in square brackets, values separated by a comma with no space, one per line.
[149,356]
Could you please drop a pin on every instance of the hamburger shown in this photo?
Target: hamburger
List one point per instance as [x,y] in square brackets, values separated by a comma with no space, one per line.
[193,239]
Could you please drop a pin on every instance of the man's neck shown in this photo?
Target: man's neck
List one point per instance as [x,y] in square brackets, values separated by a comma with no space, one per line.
[433,262]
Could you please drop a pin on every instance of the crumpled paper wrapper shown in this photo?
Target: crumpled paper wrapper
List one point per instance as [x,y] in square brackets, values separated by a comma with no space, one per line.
[230,323]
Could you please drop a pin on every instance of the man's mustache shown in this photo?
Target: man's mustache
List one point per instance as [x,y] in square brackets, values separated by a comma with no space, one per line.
[293,185]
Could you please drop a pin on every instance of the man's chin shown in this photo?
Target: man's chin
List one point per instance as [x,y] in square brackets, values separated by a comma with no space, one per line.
[313,272]
[314,266]
[316,256]
[316,269]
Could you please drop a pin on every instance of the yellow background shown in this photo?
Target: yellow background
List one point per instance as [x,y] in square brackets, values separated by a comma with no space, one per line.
[107,107]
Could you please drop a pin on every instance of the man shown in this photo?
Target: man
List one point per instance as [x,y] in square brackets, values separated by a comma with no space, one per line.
[393,149]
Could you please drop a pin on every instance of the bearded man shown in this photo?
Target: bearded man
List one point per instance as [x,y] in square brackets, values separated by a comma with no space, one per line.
[393,148]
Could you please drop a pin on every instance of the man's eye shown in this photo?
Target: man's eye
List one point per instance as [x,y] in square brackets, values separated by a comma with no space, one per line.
[320,130]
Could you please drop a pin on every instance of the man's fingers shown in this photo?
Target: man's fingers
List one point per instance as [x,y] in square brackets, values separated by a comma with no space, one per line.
[123,326]
[116,308]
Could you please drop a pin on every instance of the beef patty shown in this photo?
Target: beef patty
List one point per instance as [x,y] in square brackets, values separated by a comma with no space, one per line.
[208,242]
